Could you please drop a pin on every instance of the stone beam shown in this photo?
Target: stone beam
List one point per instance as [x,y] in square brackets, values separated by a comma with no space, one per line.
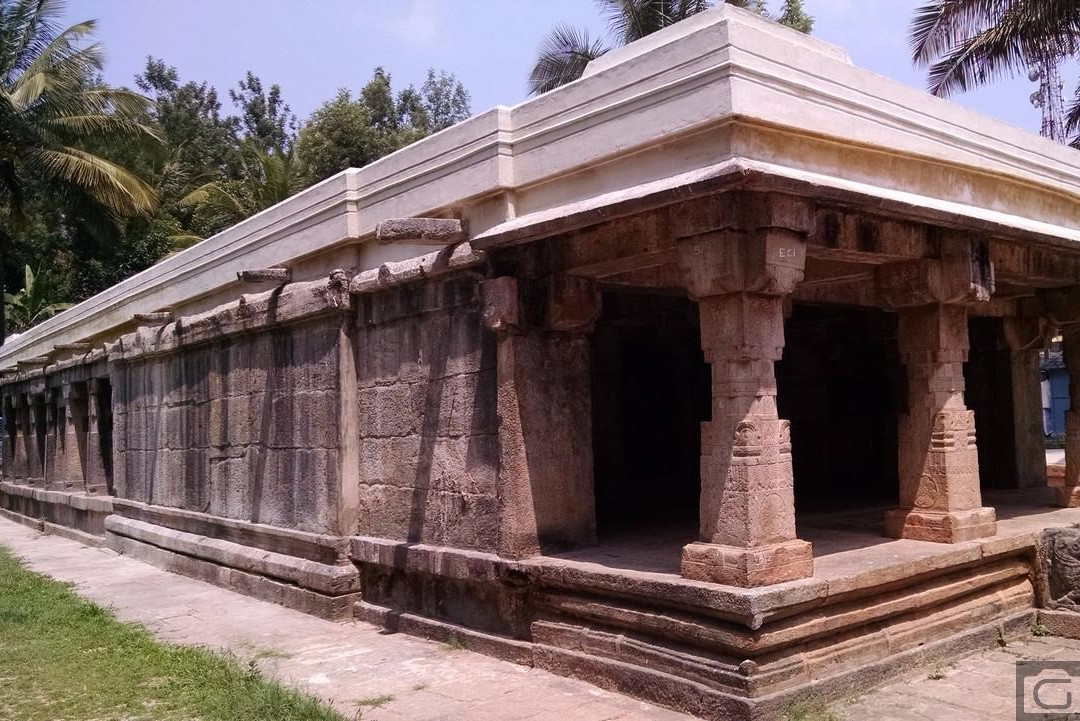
[153,318]
[72,347]
[422,231]
[963,275]
[858,237]
[32,363]
[1033,265]
[426,266]
[265,275]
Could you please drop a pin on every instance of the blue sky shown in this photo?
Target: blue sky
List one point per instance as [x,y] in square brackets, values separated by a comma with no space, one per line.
[313,47]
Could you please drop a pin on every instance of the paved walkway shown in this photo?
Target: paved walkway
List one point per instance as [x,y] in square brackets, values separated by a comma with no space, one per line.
[981,687]
[392,677]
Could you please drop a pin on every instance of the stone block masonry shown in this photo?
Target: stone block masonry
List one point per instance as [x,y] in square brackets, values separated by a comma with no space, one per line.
[228,431]
[244,427]
[427,433]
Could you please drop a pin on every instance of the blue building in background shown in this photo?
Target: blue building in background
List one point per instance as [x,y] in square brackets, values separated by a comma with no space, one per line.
[1053,364]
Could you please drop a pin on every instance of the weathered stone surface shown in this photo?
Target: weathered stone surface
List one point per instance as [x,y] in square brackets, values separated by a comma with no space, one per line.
[245,426]
[1059,570]
[265,275]
[423,231]
[420,268]
[427,433]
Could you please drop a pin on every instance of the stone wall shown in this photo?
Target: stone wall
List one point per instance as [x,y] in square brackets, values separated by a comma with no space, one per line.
[428,432]
[243,427]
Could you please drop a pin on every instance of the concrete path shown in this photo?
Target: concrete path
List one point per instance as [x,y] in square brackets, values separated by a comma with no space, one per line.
[1054,456]
[393,677]
[390,677]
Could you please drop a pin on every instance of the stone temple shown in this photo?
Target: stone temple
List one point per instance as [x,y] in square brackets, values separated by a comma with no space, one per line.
[711,378]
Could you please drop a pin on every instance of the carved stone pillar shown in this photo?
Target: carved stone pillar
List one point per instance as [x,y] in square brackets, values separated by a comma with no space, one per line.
[1025,337]
[54,412]
[35,438]
[97,456]
[9,437]
[1068,495]
[16,467]
[940,497]
[543,366]
[67,438]
[739,276]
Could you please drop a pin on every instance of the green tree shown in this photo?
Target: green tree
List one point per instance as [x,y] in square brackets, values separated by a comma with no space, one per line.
[54,112]
[32,303]
[446,100]
[565,51]
[266,119]
[188,117]
[793,15]
[348,132]
[968,43]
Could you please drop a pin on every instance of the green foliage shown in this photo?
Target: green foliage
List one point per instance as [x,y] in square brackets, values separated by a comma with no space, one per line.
[65,658]
[59,128]
[350,133]
[965,44]
[267,121]
[565,51]
[31,304]
[267,178]
[794,16]
[105,182]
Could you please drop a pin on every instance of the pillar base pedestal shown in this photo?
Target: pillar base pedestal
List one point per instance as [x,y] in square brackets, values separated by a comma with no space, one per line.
[748,567]
[941,526]
[1067,496]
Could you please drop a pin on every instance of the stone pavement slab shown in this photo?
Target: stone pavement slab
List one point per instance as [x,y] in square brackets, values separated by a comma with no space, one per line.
[980,687]
[389,677]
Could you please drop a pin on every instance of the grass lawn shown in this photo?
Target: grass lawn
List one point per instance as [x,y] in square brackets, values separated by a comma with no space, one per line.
[65,659]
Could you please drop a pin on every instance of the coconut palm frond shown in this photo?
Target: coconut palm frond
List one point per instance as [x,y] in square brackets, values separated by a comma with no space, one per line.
[563,57]
[967,43]
[116,188]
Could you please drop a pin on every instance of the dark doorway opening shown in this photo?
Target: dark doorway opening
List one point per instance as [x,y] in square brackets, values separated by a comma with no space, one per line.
[103,401]
[840,384]
[988,391]
[651,391]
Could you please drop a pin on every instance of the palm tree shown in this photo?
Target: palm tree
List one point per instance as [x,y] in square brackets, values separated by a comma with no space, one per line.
[566,51]
[31,305]
[967,43]
[53,111]
[267,179]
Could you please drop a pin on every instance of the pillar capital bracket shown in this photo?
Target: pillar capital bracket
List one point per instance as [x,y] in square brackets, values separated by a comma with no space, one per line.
[1061,306]
[766,262]
[560,303]
[960,278]
[1027,333]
